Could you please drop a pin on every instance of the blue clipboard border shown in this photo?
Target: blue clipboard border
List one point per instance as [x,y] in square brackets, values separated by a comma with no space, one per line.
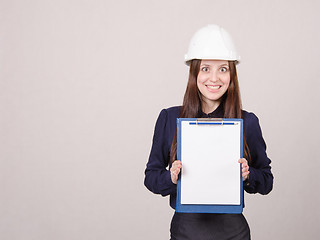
[204,208]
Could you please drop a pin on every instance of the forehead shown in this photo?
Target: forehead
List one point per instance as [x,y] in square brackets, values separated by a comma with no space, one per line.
[211,62]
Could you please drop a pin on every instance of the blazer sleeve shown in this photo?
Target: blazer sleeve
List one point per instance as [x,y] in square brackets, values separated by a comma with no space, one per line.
[157,176]
[260,177]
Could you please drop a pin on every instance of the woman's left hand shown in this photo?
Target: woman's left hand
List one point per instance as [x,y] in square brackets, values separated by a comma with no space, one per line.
[245,168]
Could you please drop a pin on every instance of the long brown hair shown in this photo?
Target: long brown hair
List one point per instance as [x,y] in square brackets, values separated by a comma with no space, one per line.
[192,104]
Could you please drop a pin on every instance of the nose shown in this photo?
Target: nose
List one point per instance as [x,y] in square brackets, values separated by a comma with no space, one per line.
[214,76]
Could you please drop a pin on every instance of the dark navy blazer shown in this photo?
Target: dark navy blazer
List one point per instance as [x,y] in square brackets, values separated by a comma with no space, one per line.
[157,175]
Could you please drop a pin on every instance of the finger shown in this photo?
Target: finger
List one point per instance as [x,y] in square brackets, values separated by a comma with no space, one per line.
[175,170]
[174,166]
[176,163]
[242,160]
[244,169]
[174,175]
[245,174]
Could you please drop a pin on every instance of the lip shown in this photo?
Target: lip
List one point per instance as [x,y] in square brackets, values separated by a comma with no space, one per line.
[213,88]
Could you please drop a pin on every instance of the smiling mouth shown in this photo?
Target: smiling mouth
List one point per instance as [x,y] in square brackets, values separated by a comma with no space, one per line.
[213,87]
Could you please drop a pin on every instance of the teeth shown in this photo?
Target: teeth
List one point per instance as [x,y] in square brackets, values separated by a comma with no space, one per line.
[213,87]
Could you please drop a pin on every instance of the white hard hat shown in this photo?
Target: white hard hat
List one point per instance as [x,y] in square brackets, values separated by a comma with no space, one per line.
[211,42]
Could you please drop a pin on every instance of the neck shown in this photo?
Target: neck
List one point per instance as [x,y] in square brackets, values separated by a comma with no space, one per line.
[209,107]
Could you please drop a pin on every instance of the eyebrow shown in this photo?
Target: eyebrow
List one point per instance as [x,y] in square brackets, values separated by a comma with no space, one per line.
[208,65]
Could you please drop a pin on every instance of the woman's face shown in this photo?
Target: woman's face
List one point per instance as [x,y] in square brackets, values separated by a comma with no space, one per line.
[213,81]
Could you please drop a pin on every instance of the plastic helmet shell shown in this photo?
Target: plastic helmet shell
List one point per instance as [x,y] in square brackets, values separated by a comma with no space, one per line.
[212,42]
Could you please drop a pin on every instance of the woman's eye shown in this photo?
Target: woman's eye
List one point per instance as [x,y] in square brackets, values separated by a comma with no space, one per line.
[223,69]
[205,69]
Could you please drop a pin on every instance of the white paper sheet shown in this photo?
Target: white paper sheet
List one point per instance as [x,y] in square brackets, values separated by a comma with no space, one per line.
[210,169]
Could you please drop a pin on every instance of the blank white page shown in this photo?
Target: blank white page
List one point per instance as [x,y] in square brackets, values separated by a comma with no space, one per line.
[210,170]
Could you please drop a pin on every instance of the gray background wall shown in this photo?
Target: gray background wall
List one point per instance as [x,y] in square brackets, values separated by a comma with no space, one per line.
[82,83]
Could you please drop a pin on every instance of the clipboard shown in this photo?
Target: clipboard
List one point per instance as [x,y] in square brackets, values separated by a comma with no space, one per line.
[211,177]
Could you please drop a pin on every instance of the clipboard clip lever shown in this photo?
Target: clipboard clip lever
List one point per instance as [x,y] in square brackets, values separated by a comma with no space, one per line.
[212,121]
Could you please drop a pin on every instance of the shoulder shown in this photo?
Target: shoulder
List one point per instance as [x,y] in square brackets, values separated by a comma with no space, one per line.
[249,117]
[251,123]
[166,125]
[175,111]
[170,113]
[168,116]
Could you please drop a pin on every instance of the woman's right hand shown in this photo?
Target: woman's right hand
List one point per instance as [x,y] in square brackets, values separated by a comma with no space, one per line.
[175,170]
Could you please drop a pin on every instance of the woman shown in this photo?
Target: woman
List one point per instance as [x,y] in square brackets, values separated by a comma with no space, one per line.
[212,91]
